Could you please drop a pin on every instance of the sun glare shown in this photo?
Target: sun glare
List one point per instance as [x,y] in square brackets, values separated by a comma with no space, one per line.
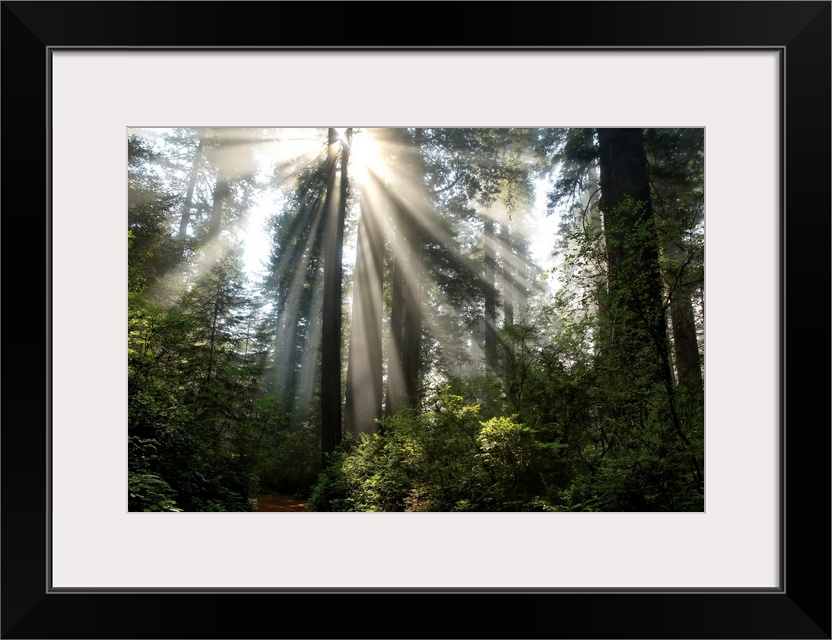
[365,154]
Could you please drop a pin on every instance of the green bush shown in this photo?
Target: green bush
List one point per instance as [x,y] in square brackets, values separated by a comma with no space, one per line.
[148,492]
[290,462]
[441,459]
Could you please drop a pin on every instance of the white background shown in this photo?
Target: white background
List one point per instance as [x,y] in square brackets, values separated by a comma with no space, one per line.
[97,543]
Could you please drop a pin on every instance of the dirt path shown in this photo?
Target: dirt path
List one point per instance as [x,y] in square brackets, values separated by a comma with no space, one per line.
[280,503]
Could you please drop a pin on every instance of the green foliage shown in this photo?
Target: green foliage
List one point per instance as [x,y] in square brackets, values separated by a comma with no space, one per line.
[573,151]
[442,459]
[148,492]
[645,476]
[153,252]
[290,460]
[190,408]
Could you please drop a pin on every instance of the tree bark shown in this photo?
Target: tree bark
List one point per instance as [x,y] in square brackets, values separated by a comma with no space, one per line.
[222,193]
[509,274]
[636,337]
[364,373]
[636,324]
[189,192]
[490,293]
[685,343]
[396,394]
[404,357]
[331,315]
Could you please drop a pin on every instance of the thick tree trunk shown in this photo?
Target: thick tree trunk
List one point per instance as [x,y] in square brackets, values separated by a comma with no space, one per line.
[396,393]
[412,347]
[189,191]
[364,374]
[636,337]
[404,358]
[405,321]
[635,326]
[415,297]
[685,344]
[331,329]
[677,177]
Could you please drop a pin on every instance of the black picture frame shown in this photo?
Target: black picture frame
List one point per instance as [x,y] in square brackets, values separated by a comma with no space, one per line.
[800,31]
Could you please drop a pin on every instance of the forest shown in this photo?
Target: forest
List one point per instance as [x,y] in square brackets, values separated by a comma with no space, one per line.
[416,319]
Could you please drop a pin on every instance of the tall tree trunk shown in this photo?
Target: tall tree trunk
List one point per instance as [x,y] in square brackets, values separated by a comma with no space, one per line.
[214,316]
[290,351]
[396,393]
[362,406]
[222,193]
[637,328]
[636,324]
[297,273]
[415,298]
[490,293]
[412,347]
[508,274]
[404,357]
[685,344]
[189,192]
[333,269]
[676,158]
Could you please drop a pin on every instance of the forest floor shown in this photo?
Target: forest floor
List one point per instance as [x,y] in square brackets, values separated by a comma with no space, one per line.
[280,503]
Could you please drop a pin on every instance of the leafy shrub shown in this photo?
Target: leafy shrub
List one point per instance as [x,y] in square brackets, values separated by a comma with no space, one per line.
[441,459]
[332,490]
[290,462]
[148,492]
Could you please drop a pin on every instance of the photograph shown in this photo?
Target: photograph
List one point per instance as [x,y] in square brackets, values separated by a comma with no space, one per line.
[436,281]
[416,319]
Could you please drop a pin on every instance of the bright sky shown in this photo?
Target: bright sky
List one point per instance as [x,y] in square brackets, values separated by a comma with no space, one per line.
[257,241]
[542,227]
[543,232]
